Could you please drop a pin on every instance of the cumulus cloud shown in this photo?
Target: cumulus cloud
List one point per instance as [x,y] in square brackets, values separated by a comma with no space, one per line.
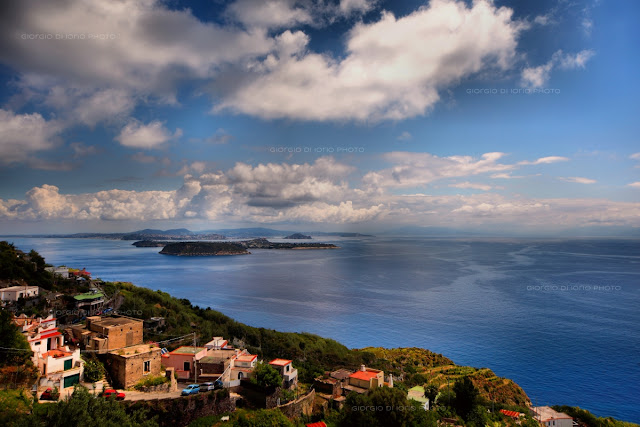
[536,77]
[21,135]
[129,44]
[393,68]
[419,169]
[276,14]
[152,135]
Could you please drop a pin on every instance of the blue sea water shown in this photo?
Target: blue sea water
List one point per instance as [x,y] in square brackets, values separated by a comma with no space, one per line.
[560,317]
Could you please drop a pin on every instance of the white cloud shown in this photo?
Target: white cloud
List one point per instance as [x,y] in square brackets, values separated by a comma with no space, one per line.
[578,60]
[545,160]
[506,176]
[144,46]
[278,14]
[635,156]
[404,136]
[349,6]
[152,135]
[578,180]
[387,72]
[270,13]
[471,185]
[634,184]
[21,135]
[419,169]
[535,77]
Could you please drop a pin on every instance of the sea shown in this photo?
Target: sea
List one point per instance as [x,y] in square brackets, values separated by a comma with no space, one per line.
[559,317]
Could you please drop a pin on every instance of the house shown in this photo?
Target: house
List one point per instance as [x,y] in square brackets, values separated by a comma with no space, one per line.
[74,272]
[417,393]
[547,417]
[61,272]
[331,387]
[130,364]
[243,366]
[184,359]
[512,414]
[42,334]
[365,379]
[109,333]
[14,293]
[288,372]
[60,368]
[91,301]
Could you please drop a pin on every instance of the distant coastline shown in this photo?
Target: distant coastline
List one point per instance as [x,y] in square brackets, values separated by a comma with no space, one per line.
[227,248]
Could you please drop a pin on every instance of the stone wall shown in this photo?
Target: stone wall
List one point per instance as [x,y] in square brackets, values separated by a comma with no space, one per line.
[299,407]
[184,410]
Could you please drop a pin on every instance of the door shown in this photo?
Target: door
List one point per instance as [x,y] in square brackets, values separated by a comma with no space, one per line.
[71,380]
[129,338]
[68,364]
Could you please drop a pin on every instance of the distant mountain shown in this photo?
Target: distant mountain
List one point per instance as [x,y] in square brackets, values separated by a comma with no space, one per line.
[255,232]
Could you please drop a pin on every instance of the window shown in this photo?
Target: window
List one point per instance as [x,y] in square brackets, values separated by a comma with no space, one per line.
[146,366]
[68,364]
[38,343]
[187,366]
[287,368]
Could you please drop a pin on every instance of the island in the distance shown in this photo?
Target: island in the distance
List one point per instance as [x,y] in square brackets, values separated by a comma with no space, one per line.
[297,236]
[228,248]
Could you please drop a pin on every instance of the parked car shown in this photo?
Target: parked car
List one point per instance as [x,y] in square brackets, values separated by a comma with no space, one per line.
[191,389]
[113,393]
[211,386]
[47,395]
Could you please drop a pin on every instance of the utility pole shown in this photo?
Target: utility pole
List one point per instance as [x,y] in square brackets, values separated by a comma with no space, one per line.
[195,362]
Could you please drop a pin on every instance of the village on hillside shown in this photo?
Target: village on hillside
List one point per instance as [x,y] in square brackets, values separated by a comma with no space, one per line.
[85,339]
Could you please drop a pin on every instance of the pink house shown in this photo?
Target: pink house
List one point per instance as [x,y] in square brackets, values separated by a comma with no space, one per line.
[183,360]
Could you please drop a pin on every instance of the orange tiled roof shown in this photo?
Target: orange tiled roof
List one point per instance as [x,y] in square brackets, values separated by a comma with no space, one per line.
[280,362]
[364,375]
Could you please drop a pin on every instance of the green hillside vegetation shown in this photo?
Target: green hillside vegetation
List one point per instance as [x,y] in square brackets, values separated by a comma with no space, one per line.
[20,267]
[585,417]
[422,367]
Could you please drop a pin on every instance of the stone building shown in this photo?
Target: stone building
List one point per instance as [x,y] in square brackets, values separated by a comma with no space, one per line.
[128,365]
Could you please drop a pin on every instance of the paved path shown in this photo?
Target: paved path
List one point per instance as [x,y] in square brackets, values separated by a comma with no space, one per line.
[139,395]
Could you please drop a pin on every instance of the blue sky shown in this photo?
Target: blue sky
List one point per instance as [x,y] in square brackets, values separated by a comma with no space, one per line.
[345,114]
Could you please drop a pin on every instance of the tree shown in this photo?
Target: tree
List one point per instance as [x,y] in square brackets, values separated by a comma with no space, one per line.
[86,410]
[266,376]
[466,397]
[384,406]
[20,352]
[93,369]
[430,392]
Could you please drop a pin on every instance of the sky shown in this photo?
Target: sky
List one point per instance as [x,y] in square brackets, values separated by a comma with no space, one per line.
[353,115]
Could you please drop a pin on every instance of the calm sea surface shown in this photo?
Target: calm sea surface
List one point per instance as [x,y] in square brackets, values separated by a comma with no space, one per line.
[561,318]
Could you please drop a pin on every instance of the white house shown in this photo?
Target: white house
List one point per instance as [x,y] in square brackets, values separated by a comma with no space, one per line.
[60,368]
[61,271]
[548,417]
[288,372]
[243,366]
[42,334]
[14,293]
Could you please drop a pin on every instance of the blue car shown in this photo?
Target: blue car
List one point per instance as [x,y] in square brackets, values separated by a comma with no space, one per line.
[191,389]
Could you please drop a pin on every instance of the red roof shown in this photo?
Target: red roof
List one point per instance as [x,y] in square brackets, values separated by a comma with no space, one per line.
[364,375]
[280,362]
[44,336]
[318,424]
[246,358]
[512,414]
